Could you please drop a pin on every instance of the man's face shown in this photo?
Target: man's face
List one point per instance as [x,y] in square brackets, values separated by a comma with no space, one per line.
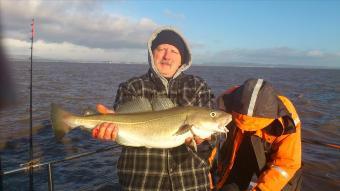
[167,59]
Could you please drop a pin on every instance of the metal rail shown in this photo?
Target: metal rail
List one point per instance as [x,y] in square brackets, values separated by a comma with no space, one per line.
[49,164]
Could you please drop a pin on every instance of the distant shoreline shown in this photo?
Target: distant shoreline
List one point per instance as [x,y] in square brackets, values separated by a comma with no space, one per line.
[236,65]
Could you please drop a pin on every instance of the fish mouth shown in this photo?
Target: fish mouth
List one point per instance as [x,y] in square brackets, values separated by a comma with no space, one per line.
[224,128]
[227,122]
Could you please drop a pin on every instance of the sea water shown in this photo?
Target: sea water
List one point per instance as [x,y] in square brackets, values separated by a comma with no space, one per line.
[77,86]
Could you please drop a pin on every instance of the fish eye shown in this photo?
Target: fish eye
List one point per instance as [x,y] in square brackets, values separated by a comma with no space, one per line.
[212,114]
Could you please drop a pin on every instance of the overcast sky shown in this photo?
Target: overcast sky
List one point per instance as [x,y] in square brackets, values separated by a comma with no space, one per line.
[263,32]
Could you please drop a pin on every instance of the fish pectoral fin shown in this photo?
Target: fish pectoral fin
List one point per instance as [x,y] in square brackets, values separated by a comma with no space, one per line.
[183,129]
[193,145]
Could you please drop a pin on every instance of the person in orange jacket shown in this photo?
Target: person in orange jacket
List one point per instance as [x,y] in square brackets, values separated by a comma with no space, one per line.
[263,140]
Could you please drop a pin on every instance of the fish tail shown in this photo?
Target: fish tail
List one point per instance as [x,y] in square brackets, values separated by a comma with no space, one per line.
[59,118]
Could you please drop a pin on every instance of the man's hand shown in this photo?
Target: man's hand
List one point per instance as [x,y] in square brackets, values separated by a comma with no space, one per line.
[196,139]
[105,131]
[103,110]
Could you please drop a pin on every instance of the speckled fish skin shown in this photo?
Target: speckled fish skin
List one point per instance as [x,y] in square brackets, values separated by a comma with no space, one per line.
[153,129]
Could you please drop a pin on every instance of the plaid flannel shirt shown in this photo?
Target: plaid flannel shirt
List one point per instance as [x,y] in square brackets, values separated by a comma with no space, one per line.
[178,168]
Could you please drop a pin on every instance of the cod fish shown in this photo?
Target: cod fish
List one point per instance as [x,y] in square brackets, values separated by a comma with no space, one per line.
[141,123]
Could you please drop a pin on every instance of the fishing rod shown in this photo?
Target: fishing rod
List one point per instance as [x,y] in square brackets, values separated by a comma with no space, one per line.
[315,142]
[1,186]
[30,109]
[51,163]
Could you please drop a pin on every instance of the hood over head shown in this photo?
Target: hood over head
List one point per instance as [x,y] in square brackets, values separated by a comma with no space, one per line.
[254,105]
[169,35]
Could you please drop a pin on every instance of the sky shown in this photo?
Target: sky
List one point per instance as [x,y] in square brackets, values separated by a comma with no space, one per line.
[301,33]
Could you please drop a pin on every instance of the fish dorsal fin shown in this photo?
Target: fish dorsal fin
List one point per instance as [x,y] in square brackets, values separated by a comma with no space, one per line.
[163,103]
[139,104]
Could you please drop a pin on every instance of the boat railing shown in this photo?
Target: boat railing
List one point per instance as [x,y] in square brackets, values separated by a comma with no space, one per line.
[49,164]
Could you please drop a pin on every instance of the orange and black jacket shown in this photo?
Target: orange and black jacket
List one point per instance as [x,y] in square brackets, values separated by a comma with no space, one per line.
[260,112]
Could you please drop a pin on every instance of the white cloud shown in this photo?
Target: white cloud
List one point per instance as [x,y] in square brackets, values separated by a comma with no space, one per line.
[69,51]
[15,46]
[271,56]
[315,53]
[173,15]
[83,30]
[82,23]
[15,43]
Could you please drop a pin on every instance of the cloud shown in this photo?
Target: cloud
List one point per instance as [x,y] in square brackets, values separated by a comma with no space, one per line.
[83,23]
[68,51]
[315,53]
[83,30]
[281,56]
[173,15]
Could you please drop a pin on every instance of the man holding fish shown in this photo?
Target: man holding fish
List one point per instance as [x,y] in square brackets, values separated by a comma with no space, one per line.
[179,167]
